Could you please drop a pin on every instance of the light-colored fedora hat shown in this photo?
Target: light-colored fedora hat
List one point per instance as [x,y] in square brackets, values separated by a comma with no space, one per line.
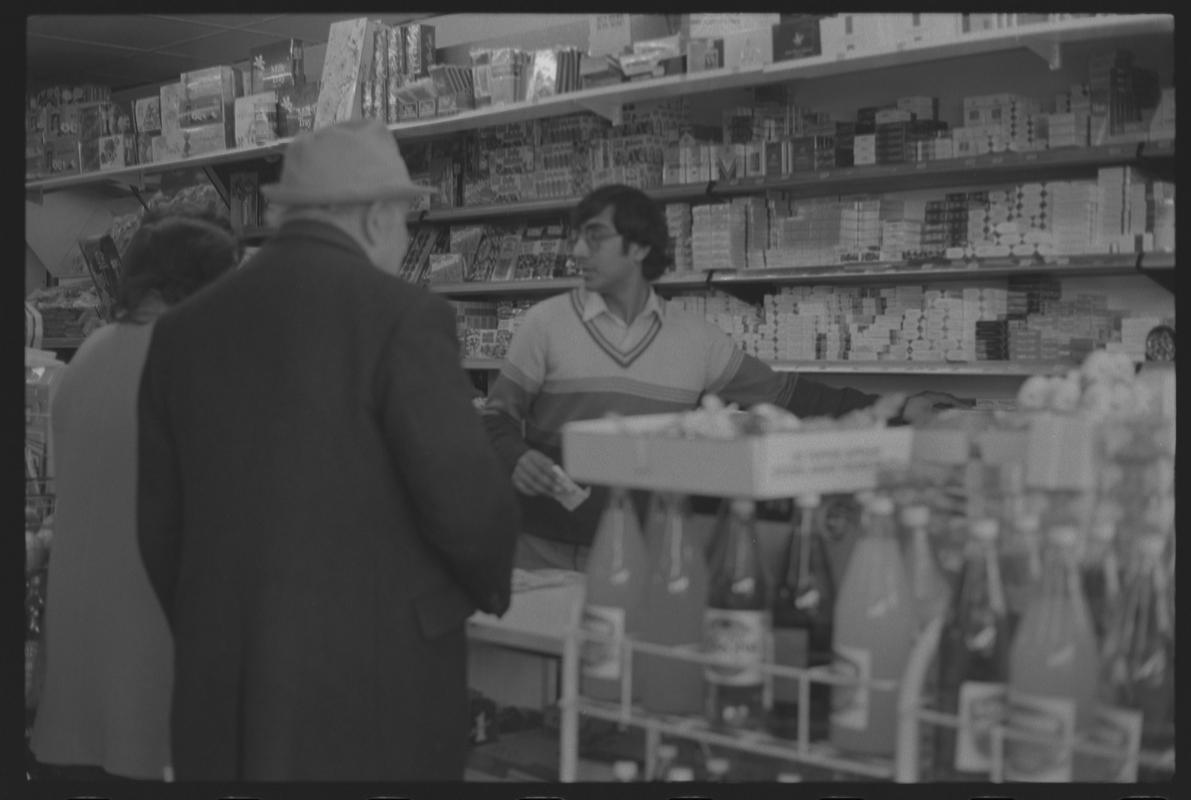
[349,162]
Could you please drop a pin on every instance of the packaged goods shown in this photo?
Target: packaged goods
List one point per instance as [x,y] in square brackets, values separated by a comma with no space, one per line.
[276,66]
[804,602]
[796,39]
[117,151]
[296,108]
[348,54]
[874,630]
[256,119]
[206,139]
[737,622]
[208,97]
[673,611]
[1053,670]
[617,570]
[419,49]
[244,200]
[146,115]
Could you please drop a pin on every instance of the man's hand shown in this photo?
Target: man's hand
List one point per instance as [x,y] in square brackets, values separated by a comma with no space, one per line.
[922,406]
[534,475]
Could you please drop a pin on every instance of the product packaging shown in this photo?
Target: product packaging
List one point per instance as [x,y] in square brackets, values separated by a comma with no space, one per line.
[276,66]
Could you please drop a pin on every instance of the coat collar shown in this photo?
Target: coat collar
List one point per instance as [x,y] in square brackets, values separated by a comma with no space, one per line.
[324,232]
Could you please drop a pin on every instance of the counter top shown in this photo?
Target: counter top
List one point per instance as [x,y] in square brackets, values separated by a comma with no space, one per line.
[543,606]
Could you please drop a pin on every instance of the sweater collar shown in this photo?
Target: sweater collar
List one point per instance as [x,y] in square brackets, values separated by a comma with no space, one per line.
[593,305]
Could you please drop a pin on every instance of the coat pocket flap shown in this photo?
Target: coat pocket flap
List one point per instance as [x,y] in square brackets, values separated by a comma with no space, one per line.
[442,609]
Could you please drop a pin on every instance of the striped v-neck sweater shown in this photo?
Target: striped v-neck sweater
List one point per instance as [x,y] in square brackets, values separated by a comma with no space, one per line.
[572,360]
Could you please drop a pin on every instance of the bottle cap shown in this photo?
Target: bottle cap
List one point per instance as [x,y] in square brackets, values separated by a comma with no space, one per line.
[984,529]
[744,506]
[807,500]
[717,767]
[625,771]
[916,516]
[680,774]
[789,777]
[1064,535]
[881,504]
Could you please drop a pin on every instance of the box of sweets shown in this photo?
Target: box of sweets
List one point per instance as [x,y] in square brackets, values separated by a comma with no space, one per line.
[117,151]
[651,452]
[796,38]
[208,96]
[256,119]
[205,139]
[89,155]
[276,66]
[146,114]
[296,106]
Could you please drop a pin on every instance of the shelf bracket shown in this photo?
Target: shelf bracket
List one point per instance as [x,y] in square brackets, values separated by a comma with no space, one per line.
[607,107]
[217,182]
[1050,51]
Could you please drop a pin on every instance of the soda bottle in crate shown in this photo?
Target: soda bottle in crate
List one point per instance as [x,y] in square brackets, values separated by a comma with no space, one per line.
[737,624]
[672,613]
[974,660]
[803,605]
[1053,669]
[1139,647]
[874,628]
[616,574]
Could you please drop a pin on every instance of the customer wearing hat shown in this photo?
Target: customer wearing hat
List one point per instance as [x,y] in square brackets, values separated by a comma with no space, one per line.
[320,509]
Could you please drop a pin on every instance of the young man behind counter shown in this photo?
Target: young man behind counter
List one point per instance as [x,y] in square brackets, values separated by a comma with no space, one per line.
[613,345]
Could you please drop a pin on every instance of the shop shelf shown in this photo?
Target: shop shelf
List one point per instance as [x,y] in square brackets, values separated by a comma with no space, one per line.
[608,99]
[1010,369]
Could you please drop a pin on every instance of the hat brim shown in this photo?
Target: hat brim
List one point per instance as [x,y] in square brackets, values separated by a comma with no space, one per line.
[280,195]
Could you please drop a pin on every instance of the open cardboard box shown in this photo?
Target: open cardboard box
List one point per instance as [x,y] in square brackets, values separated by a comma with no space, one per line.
[633,452]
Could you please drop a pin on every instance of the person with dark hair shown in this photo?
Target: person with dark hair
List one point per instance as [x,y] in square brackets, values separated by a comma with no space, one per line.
[105,707]
[612,345]
[320,511]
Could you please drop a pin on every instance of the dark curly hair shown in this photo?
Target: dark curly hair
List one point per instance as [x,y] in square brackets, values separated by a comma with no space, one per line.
[637,219]
[173,254]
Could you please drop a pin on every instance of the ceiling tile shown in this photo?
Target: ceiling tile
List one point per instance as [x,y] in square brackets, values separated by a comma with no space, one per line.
[221,20]
[313,27]
[224,47]
[122,30]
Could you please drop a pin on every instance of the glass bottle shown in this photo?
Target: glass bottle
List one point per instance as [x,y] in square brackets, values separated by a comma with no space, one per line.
[874,629]
[737,624]
[1139,646]
[616,575]
[974,659]
[931,591]
[673,614]
[1053,669]
[803,607]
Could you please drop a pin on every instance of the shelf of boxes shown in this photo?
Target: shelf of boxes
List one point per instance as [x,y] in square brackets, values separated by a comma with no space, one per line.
[607,100]
[552,285]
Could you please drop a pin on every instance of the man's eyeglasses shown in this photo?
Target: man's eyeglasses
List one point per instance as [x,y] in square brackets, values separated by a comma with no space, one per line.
[593,236]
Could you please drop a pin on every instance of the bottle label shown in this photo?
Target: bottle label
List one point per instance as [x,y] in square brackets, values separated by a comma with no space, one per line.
[790,649]
[981,708]
[1118,729]
[601,659]
[1048,756]
[737,638]
[850,704]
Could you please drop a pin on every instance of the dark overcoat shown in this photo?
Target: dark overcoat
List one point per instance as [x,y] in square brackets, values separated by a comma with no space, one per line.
[319,512]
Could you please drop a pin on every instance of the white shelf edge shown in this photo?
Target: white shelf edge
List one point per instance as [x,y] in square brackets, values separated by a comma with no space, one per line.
[991,369]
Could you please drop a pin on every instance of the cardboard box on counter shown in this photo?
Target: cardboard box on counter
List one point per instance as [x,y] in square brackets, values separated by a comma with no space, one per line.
[276,66]
[774,465]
